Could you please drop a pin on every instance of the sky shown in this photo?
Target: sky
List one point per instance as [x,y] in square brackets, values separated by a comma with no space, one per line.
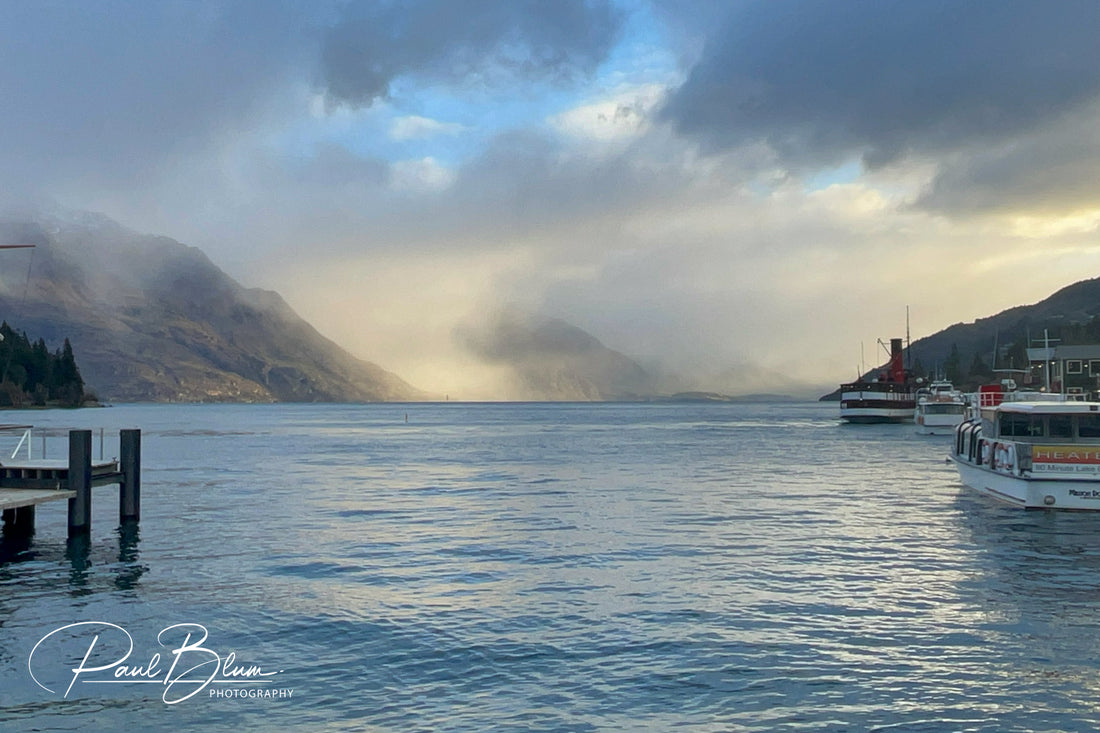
[749,194]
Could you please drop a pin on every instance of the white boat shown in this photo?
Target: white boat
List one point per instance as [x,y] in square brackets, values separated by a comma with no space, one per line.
[1042,452]
[940,408]
[891,398]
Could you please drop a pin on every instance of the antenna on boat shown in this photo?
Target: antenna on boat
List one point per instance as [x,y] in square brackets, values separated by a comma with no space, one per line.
[1046,347]
[1048,360]
[908,343]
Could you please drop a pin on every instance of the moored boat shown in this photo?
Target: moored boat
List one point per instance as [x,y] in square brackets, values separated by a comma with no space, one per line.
[890,398]
[1038,453]
[940,408]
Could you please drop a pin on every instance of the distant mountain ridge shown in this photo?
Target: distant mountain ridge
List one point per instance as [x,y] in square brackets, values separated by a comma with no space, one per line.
[551,359]
[992,338]
[1073,305]
[151,319]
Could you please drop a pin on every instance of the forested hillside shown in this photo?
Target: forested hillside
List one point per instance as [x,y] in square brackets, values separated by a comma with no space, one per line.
[31,375]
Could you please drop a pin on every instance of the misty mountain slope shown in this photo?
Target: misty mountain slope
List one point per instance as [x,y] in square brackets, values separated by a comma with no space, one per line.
[151,319]
[550,359]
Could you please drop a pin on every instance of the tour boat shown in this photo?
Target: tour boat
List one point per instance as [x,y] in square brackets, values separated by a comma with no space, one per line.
[1042,452]
[890,398]
[940,408]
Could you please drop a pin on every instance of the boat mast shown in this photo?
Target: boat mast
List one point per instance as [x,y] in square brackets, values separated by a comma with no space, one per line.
[1048,360]
[908,344]
[1046,354]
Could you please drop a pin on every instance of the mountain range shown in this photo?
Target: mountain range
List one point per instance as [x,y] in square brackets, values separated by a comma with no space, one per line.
[1072,306]
[151,319]
[550,359]
[998,340]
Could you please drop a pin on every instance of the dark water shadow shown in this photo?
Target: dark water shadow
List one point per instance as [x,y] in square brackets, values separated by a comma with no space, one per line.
[87,563]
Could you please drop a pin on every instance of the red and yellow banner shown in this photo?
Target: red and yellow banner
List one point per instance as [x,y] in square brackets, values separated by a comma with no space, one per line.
[1065,454]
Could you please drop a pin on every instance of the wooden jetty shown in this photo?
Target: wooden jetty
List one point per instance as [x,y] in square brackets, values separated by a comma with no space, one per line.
[26,483]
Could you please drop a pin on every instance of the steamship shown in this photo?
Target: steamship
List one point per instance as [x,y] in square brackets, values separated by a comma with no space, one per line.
[892,397]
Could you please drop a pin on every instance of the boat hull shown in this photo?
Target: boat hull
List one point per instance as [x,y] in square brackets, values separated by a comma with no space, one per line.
[937,424]
[1029,492]
[877,403]
[867,415]
[925,426]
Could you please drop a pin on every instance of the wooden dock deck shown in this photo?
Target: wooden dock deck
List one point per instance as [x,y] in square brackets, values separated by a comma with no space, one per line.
[26,483]
[19,498]
[52,474]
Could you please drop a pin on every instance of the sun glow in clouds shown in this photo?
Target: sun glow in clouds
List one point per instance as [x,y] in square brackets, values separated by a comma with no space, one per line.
[414,127]
[710,183]
[624,115]
[1042,227]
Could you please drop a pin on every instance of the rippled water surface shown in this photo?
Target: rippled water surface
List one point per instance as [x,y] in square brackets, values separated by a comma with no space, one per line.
[548,567]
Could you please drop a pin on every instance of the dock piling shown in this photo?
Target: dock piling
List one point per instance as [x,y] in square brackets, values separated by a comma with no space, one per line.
[129,490]
[80,481]
[25,483]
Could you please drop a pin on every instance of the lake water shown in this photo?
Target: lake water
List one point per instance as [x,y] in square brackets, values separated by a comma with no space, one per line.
[544,567]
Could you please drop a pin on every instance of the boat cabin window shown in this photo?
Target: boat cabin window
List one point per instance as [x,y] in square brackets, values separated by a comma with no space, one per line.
[1060,426]
[1088,426]
[1018,425]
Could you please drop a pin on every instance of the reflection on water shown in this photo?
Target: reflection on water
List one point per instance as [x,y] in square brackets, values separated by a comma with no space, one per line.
[1039,567]
[78,552]
[88,564]
[129,569]
[571,567]
[15,545]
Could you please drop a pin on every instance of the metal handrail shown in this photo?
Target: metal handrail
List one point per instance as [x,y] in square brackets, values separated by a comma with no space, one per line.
[25,439]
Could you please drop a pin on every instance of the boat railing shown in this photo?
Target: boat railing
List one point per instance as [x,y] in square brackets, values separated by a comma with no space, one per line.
[990,399]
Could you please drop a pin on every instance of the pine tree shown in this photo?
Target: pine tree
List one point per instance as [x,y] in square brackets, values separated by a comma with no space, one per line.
[29,372]
[978,368]
[66,384]
[952,366]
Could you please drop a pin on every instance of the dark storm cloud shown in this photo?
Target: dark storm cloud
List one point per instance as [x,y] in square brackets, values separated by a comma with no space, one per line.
[822,80]
[1052,172]
[109,93]
[374,43]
